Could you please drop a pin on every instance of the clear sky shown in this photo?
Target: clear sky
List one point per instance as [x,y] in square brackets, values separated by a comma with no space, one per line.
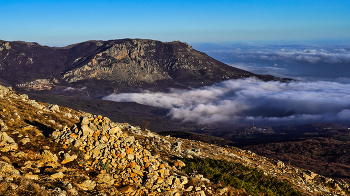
[63,22]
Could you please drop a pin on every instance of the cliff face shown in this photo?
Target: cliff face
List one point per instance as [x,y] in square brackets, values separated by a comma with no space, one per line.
[140,62]
[115,63]
[125,63]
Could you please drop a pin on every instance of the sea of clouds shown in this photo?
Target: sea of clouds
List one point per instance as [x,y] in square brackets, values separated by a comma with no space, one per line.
[251,100]
[310,62]
[320,93]
[309,54]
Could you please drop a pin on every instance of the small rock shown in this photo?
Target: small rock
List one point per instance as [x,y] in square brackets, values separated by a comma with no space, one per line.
[7,143]
[177,147]
[47,156]
[95,152]
[68,115]
[84,120]
[184,180]
[6,159]
[206,180]
[63,169]
[13,186]
[46,147]
[71,190]
[86,130]
[20,154]
[25,140]
[130,139]
[7,170]
[115,131]
[306,177]
[59,192]
[104,180]
[193,152]
[56,134]
[200,193]
[31,176]
[68,158]
[3,126]
[222,191]
[4,186]
[24,97]
[127,190]
[87,185]
[53,108]
[189,189]
[280,164]
[179,164]
[57,175]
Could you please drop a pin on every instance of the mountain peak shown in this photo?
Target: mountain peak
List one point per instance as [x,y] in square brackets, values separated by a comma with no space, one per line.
[115,64]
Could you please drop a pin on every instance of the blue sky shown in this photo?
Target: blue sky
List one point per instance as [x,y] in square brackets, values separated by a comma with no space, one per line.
[61,22]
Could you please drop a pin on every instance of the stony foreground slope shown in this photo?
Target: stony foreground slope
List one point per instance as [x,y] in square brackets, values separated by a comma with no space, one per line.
[51,150]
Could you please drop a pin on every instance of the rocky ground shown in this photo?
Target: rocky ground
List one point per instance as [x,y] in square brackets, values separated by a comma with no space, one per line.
[51,150]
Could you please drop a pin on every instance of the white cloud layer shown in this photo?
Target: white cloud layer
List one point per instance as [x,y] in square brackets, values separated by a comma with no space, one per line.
[248,100]
[309,54]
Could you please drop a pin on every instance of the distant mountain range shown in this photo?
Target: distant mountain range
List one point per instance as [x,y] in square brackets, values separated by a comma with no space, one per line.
[103,67]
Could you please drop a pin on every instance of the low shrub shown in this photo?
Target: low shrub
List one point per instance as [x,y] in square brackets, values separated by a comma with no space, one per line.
[254,181]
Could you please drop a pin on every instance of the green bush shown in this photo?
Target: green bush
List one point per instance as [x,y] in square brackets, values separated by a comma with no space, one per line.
[254,181]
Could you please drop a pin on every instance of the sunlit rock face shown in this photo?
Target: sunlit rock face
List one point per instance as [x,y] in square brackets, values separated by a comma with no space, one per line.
[140,62]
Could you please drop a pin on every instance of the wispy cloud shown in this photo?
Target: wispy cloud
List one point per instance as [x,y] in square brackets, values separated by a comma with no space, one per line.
[293,61]
[247,100]
[308,54]
[266,70]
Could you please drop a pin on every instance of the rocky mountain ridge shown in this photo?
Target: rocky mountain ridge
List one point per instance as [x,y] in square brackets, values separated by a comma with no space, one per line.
[109,66]
[51,150]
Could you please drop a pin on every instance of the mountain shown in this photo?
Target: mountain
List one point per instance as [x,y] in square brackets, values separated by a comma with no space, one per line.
[47,149]
[102,67]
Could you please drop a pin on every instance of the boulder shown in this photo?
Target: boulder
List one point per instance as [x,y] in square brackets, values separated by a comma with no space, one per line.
[7,170]
[68,158]
[177,147]
[84,120]
[86,130]
[127,190]
[222,191]
[280,164]
[32,177]
[179,164]
[104,180]
[48,159]
[7,143]
[53,108]
[25,140]
[115,131]
[57,175]
[87,185]
[3,126]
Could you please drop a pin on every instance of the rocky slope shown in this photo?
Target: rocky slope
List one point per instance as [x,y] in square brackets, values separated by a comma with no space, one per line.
[51,150]
[108,66]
